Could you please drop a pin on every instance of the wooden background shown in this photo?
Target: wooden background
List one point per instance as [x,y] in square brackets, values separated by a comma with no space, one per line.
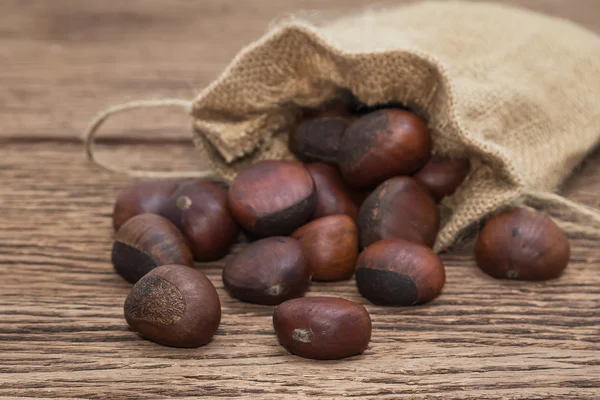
[62,333]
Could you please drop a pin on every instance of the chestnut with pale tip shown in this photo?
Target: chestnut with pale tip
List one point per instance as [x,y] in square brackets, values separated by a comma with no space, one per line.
[399,208]
[268,271]
[331,247]
[322,328]
[442,175]
[146,196]
[175,306]
[381,145]
[399,273]
[272,198]
[522,244]
[200,210]
[333,196]
[145,242]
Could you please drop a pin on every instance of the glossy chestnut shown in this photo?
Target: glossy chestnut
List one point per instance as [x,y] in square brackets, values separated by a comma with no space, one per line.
[442,175]
[200,210]
[381,145]
[395,272]
[269,271]
[145,242]
[318,136]
[331,247]
[146,196]
[322,328]
[174,305]
[522,244]
[399,208]
[272,198]
[333,195]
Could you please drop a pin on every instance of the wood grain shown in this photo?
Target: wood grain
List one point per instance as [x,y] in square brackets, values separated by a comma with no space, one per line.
[65,60]
[62,332]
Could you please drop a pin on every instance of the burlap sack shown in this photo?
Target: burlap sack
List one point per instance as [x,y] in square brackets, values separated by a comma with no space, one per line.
[516,92]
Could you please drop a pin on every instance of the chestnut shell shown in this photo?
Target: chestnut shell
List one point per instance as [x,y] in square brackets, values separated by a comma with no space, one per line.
[322,328]
[395,272]
[522,244]
[272,198]
[399,208]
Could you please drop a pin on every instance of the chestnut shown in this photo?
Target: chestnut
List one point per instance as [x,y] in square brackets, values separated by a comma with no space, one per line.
[522,244]
[174,305]
[272,198]
[331,247]
[268,271]
[333,196]
[145,242]
[200,210]
[322,328]
[442,175]
[317,135]
[399,208]
[381,145]
[395,272]
[318,139]
[146,196]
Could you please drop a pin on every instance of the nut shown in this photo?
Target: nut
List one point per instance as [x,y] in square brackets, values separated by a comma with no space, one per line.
[522,244]
[395,272]
[268,271]
[442,176]
[146,196]
[381,145]
[200,210]
[322,328]
[273,198]
[331,247]
[145,242]
[399,208]
[174,305]
[333,196]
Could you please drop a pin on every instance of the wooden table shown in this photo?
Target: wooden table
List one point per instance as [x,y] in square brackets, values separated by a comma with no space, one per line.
[62,332]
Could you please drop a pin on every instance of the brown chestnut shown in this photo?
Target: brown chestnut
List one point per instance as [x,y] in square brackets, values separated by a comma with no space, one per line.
[383,144]
[200,210]
[399,208]
[333,196]
[145,242]
[442,175]
[522,244]
[318,139]
[268,271]
[273,198]
[174,305]
[146,196]
[331,247]
[399,273]
[322,328]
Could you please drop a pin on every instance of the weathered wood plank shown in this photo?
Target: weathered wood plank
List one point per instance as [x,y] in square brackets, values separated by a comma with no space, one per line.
[65,60]
[62,333]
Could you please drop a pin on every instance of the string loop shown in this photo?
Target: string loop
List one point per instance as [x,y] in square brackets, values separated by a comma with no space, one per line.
[89,136]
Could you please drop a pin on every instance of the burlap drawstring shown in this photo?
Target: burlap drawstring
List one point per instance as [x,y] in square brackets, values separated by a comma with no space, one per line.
[89,136]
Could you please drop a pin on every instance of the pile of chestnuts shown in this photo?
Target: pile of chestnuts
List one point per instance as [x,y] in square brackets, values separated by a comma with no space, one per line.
[363,202]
